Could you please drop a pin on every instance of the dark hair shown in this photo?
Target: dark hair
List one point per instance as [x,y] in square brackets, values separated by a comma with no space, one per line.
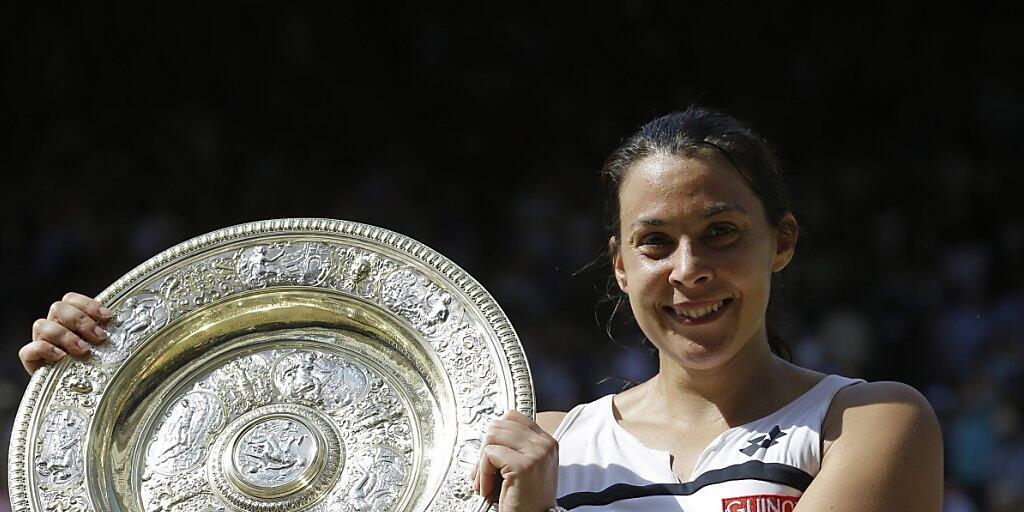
[693,133]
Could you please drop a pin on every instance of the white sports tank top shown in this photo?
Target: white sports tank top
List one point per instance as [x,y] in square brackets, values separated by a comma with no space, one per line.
[761,466]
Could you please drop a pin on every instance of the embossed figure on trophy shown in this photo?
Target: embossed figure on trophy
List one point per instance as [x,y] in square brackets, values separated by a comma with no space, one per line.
[383,472]
[305,263]
[312,263]
[326,380]
[358,276]
[242,383]
[436,306]
[181,439]
[416,298]
[272,452]
[479,402]
[299,378]
[60,460]
[141,314]
[361,267]
[255,265]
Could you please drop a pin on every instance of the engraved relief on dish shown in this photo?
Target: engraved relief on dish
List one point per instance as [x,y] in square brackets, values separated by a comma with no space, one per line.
[275,452]
[289,453]
[348,437]
[276,457]
[301,263]
[80,386]
[374,481]
[361,272]
[429,308]
[184,433]
[242,384]
[325,380]
[59,459]
[141,315]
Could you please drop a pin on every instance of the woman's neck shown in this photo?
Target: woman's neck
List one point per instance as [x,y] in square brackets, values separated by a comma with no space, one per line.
[748,386]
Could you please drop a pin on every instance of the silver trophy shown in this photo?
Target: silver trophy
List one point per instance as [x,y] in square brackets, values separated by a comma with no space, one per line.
[285,365]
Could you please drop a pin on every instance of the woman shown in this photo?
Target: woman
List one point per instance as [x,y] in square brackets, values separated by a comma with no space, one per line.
[699,223]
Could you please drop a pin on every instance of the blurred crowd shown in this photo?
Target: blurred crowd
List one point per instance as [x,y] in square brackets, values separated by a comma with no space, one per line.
[132,132]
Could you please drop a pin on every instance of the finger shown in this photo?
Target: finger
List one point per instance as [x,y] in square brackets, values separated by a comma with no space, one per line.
[77,321]
[518,441]
[35,354]
[56,334]
[492,459]
[518,417]
[89,305]
[538,437]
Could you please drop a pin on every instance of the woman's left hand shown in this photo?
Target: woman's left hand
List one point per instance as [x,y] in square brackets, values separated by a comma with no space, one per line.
[525,457]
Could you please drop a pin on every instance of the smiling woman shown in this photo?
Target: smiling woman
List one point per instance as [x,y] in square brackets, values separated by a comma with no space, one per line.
[699,225]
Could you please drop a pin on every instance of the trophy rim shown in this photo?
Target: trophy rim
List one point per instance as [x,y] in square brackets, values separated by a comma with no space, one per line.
[520,387]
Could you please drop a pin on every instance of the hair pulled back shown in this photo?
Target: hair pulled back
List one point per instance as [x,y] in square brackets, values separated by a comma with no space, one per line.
[694,133]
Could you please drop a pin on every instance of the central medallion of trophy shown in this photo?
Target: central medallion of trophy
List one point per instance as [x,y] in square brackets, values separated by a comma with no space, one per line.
[273,454]
[276,453]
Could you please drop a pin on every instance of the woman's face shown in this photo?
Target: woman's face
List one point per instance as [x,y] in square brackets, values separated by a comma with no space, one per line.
[696,257]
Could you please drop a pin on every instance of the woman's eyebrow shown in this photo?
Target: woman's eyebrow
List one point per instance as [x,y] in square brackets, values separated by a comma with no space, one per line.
[646,221]
[711,211]
[718,208]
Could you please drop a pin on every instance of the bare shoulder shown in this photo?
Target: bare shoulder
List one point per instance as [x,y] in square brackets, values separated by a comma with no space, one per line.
[550,420]
[883,452]
[879,407]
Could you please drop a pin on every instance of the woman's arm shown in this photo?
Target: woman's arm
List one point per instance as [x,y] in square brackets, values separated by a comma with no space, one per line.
[885,453]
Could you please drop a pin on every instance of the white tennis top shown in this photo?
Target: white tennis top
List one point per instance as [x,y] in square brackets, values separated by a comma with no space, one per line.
[761,466]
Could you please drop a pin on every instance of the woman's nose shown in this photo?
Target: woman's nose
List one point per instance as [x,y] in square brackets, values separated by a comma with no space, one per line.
[689,269]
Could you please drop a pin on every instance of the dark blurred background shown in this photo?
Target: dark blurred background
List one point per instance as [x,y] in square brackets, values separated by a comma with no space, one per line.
[480,132]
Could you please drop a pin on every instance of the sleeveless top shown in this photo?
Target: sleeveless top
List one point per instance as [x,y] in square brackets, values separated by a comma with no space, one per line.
[761,466]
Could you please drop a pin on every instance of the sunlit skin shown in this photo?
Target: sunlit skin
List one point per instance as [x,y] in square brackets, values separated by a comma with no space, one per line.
[693,231]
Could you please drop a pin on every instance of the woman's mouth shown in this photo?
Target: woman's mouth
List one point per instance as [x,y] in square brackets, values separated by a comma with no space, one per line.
[697,316]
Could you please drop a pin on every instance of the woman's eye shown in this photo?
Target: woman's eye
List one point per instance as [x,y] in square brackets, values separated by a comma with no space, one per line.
[717,231]
[654,239]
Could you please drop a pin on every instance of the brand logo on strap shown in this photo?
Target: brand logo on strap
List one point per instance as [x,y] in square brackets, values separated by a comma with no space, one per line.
[763,441]
[760,503]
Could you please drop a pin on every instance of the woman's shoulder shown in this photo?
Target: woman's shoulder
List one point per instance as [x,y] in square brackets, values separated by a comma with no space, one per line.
[881,408]
[550,420]
[883,445]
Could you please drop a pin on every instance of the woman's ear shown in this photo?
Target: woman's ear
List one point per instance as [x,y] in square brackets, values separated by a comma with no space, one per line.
[617,265]
[786,233]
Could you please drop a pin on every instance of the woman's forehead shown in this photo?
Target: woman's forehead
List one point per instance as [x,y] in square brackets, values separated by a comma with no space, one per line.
[690,186]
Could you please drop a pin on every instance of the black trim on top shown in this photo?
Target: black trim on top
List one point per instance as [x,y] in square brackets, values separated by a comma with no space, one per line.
[751,470]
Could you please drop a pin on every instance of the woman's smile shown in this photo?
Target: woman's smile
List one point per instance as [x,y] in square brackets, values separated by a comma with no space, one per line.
[691,313]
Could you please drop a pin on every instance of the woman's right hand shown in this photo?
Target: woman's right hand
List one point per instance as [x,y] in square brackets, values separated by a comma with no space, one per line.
[72,326]
[521,458]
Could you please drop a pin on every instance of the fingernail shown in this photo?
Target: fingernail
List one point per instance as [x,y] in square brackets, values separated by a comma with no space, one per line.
[105,312]
[58,352]
[102,333]
[83,345]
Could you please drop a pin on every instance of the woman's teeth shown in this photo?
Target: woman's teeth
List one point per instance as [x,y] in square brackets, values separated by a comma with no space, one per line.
[697,313]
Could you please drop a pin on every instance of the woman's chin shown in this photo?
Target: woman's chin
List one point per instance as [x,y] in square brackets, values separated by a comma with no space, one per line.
[698,354]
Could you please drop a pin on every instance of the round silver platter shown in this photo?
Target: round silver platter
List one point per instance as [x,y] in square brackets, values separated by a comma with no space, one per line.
[295,364]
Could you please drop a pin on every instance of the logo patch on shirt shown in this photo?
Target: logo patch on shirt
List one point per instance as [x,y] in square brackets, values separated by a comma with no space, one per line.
[760,503]
[763,441]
